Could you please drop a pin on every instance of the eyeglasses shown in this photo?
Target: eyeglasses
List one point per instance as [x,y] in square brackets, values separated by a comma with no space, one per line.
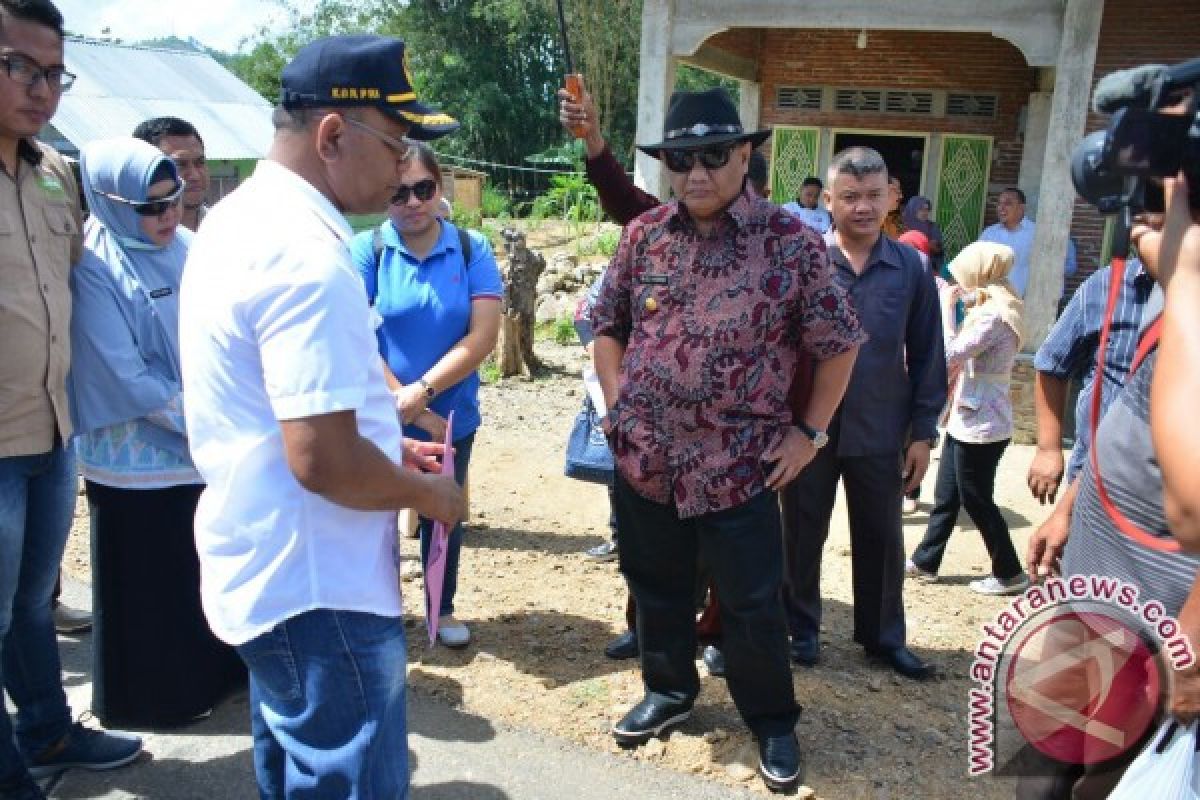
[149,208]
[682,161]
[399,146]
[422,190]
[28,72]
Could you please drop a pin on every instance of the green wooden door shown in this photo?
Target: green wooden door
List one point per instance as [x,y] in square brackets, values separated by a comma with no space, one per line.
[793,158]
[962,189]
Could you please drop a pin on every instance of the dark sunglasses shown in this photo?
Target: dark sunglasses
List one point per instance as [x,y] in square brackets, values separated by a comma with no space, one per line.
[684,160]
[422,189]
[149,208]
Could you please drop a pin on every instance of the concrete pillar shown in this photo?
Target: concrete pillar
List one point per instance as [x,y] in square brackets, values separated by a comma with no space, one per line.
[1068,116]
[750,104]
[1033,148]
[655,82]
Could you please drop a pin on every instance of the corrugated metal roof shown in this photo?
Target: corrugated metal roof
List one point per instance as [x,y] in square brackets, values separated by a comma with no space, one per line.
[118,86]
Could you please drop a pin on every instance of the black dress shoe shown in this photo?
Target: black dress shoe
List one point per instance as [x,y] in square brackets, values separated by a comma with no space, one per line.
[648,719]
[806,651]
[905,662]
[779,761]
[623,647]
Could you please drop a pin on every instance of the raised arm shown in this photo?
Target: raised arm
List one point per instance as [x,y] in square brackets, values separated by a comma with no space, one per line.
[620,198]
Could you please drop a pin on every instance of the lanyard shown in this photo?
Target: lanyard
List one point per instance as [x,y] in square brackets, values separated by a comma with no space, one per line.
[1146,345]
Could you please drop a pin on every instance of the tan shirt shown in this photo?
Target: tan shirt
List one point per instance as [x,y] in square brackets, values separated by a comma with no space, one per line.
[40,223]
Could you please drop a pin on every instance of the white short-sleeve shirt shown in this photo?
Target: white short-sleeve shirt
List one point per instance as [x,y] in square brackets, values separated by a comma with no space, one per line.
[274,325]
[1021,241]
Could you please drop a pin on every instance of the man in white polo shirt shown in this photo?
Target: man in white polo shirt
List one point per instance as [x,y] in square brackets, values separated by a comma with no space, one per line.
[296,435]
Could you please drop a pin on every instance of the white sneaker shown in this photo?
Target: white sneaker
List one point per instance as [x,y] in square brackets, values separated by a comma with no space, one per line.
[453,633]
[994,586]
[908,505]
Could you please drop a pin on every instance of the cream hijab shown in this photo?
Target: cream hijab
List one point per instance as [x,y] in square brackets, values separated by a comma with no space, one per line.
[983,267]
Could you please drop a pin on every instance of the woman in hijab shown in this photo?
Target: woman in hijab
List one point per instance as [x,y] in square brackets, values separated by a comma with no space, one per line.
[157,664]
[980,357]
[919,242]
[917,216]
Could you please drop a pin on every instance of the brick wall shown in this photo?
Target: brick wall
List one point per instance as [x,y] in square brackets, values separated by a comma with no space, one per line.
[742,42]
[894,59]
[1133,32]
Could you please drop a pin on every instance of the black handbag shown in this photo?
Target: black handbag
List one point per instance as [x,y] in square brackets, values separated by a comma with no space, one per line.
[588,455]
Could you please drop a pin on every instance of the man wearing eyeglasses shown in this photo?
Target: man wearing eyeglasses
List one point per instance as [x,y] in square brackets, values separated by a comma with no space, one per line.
[40,227]
[705,311]
[296,435]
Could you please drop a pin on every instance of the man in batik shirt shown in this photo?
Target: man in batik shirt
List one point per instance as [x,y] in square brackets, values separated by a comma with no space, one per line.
[708,304]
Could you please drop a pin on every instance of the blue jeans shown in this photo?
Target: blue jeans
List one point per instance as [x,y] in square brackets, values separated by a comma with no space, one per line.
[462,460]
[327,707]
[37,504]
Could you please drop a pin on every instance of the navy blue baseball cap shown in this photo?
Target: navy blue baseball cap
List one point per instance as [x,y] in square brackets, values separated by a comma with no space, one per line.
[358,71]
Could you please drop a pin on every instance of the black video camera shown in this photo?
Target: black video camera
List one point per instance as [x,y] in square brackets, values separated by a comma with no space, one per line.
[1122,167]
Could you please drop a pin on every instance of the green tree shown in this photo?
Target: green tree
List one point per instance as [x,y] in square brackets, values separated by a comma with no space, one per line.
[694,79]
[261,65]
[493,64]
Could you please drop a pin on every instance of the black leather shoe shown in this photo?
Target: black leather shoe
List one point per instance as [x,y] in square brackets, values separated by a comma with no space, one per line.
[623,647]
[904,662]
[714,661]
[779,761]
[806,651]
[648,719]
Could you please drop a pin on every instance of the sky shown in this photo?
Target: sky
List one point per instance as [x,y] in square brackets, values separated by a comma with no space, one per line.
[220,24]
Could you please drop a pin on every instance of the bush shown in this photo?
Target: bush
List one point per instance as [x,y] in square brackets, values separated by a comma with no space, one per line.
[468,218]
[495,204]
[569,197]
[489,373]
[564,330]
[603,243]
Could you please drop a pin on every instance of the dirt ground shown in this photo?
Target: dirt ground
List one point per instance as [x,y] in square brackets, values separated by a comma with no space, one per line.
[540,615]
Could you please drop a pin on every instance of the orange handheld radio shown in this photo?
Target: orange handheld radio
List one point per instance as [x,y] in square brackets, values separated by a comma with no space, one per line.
[573,81]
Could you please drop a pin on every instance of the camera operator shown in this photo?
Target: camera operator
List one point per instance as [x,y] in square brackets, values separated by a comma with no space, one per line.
[1173,251]
[1134,496]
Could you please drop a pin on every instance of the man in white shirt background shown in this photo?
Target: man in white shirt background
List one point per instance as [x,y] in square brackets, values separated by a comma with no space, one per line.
[1014,230]
[295,432]
[807,206]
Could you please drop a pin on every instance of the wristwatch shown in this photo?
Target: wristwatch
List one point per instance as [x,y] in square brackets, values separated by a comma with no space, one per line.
[430,393]
[818,438]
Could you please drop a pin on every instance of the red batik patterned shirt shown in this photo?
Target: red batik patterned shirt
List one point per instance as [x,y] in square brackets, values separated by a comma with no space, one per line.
[713,327]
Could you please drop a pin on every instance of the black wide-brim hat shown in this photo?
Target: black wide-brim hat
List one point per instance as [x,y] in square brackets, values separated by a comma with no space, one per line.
[702,119]
[361,70]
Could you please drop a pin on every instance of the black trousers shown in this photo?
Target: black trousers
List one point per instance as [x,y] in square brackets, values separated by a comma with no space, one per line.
[156,662]
[742,546]
[874,488]
[967,479]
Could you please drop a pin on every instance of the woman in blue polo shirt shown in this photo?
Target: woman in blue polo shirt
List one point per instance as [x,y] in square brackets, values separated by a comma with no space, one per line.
[441,314]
